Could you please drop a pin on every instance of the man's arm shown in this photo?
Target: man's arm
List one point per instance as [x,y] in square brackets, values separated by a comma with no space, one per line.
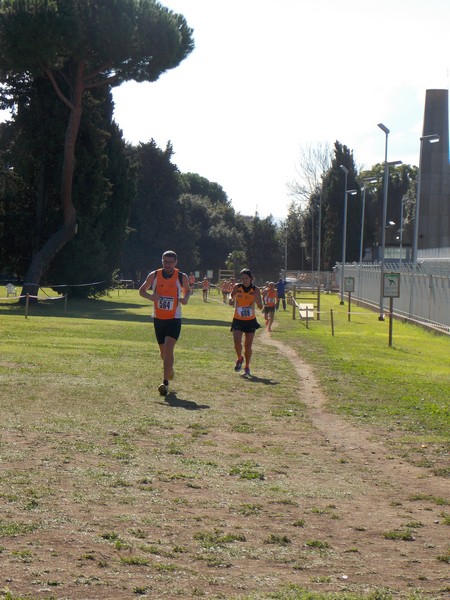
[146,286]
[186,289]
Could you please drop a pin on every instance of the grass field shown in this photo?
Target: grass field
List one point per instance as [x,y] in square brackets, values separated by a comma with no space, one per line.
[109,491]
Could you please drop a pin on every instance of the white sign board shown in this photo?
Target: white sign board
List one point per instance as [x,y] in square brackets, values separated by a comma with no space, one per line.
[391,285]
[349,284]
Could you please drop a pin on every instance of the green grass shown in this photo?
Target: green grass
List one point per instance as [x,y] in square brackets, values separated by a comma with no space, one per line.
[88,449]
[405,386]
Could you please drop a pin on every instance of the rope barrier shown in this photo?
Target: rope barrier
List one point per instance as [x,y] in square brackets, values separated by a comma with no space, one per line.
[31,296]
[68,284]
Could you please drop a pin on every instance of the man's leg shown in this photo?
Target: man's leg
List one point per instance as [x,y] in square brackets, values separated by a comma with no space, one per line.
[167,354]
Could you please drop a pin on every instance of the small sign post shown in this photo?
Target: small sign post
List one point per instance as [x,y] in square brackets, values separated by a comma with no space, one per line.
[349,287]
[391,290]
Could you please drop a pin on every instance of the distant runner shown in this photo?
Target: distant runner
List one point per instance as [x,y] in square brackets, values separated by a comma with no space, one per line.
[244,297]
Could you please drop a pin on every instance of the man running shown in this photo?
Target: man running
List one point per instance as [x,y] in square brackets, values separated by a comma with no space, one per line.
[169,289]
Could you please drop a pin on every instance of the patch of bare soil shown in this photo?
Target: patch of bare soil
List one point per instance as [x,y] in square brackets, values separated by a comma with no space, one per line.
[175,520]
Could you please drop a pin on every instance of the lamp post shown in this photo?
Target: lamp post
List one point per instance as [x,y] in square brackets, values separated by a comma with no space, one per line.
[319,241]
[432,139]
[363,189]
[285,250]
[344,232]
[400,231]
[366,181]
[383,222]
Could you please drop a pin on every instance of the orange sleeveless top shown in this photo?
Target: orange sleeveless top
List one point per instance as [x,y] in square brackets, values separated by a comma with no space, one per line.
[167,305]
[244,304]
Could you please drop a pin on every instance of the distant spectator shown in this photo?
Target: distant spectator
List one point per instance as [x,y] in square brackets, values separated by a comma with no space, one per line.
[281,285]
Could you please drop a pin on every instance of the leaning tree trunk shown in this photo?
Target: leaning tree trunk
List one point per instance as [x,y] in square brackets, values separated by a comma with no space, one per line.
[42,260]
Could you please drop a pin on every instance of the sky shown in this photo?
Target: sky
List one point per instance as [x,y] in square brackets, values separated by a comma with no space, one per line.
[269,78]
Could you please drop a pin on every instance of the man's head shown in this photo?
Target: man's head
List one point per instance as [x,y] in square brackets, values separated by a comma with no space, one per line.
[169,261]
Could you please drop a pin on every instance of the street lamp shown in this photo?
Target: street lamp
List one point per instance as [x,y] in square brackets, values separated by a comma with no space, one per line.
[366,181]
[319,242]
[285,250]
[432,139]
[383,222]
[344,233]
[400,231]
[363,189]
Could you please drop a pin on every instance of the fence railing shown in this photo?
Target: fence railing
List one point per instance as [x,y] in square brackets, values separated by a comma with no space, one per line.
[423,297]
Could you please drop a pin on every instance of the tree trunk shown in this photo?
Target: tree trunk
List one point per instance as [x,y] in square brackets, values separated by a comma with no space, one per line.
[42,260]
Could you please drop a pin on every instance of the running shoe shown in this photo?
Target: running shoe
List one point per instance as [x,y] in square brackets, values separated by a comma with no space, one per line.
[238,365]
[247,371]
[163,389]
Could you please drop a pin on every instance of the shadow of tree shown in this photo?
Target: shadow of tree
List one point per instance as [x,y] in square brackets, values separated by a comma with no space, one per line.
[101,309]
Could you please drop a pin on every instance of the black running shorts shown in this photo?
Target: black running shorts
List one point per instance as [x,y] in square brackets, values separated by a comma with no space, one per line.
[166,328]
[249,326]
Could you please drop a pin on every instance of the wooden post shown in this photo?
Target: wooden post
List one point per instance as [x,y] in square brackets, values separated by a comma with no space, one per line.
[332,322]
[391,312]
[65,302]
[349,305]
[307,317]
[27,302]
[318,302]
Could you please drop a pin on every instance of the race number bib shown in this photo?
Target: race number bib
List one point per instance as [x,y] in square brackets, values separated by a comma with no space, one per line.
[245,312]
[166,303]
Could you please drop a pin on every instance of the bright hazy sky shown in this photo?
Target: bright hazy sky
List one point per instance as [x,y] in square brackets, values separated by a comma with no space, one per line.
[269,77]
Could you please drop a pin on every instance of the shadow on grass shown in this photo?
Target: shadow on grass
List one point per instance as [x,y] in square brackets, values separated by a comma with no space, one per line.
[98,309]
[255,379]
[172,400]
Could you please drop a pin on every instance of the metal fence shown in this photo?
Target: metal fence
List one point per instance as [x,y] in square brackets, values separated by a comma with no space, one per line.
[424,297]
[424,290]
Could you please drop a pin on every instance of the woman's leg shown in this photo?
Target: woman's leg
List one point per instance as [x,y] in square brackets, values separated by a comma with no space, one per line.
[248,348]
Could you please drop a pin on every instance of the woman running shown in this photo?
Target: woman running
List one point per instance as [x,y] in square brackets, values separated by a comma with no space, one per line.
[244,296]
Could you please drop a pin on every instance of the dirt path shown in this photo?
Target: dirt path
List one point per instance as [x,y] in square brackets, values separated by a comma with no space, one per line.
[397,496]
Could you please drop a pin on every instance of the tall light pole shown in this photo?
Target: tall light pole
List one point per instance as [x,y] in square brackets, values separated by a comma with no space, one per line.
[285,250]
[366,181]
[363,189]
[344,232]
[400,231]
[312,243]
[384,217]
[319,241]
[383,221]
[432,139]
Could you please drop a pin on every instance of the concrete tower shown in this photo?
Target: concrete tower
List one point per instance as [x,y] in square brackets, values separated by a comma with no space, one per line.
[434,206]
